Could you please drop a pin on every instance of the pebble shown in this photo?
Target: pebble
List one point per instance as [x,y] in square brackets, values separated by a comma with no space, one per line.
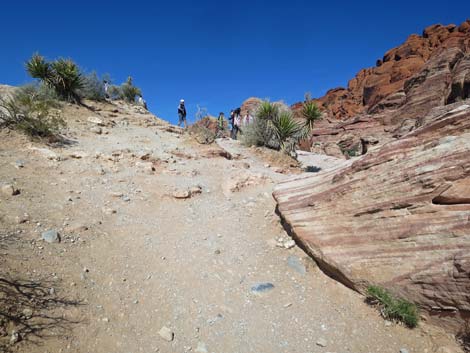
[288,244]
[296,264]
[404,350]
[181,194]
[22,219]
[321,342]
[51,236]
[109,211]
[19,164]
[201,348]
[262,287]
[15,337]
[96,130]
[27,313]
[95,120]
[166,334]
[10,190]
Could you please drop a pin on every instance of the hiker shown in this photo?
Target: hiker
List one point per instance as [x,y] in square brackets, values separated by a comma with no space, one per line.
[248,119]
[237,122]
[142,102]
[182,114]
[106,88]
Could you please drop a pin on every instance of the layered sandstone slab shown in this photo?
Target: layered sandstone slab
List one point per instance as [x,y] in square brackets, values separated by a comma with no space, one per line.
[398,217]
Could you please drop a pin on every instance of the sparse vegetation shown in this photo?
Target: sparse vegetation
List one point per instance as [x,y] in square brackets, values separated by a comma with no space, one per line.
[393,308]
[201,112]
[307,96]
[32,110]
[275,127]
[93,88]
[203,130]
[129,91]
[311,114]
[63,75]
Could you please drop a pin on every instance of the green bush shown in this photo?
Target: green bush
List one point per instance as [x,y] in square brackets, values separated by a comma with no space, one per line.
[114,92]
[393,308]
[63,75]
[93,88]
[33,111]
[311,114]
[274,127]
[129,91]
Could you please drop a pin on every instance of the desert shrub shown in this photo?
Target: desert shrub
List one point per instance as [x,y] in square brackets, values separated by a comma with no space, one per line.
[63,75]
[33,111]
[129,91]
[93,88]
[114,92]
[393,308]
[204,130]
[311,113]
[274,127]
[202,134]
[201,112]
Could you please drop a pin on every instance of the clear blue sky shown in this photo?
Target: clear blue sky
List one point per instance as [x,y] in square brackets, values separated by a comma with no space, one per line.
[216,53]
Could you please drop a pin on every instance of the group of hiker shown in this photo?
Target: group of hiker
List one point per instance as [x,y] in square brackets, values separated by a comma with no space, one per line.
[236,120]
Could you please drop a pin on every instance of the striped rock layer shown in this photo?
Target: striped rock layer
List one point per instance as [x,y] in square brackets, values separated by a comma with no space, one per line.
[398,217]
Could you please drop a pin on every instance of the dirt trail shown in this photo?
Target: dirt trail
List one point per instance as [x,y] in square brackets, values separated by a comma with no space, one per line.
[134,259]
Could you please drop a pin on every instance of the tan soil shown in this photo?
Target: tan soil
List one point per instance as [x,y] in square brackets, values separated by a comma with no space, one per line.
[133,259]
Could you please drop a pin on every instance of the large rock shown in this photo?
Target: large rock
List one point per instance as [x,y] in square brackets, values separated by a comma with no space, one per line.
[250,105]
[372,88]
[399,217]
[427,71]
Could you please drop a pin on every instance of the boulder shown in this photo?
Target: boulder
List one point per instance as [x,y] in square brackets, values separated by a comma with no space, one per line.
[250,105]
[398,217]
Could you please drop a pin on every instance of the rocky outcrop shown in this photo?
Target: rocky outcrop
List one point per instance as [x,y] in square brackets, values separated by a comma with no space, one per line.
[250,105]
[390,84]
[427,71]
[399,217]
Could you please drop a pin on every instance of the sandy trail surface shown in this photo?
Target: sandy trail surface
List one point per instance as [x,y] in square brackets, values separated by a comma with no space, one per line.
[138,270]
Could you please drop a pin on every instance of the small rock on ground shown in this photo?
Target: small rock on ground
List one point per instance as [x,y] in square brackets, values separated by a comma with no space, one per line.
[51,236]
[262,287]
[166,334]
[10,190]
[321,342]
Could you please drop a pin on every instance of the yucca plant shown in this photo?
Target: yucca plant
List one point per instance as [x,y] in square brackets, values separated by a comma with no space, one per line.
[68,79]
[63,75]
[311,114]
[286,131]
[275,127]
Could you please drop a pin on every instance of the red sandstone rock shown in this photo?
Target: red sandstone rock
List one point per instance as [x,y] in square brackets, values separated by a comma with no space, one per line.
[250,105]
[388,101]
[399,217]
[370,89]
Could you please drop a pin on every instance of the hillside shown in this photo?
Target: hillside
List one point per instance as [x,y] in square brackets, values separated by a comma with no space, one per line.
[163,245]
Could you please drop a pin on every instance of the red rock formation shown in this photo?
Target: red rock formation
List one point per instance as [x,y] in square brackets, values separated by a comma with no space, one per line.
[250,105]
[399,217]
[388,85]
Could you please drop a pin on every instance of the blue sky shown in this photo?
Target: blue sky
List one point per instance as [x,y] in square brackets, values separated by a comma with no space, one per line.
[215,53]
